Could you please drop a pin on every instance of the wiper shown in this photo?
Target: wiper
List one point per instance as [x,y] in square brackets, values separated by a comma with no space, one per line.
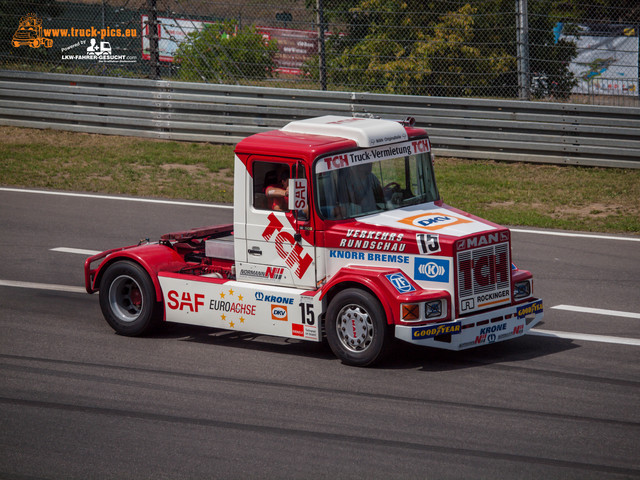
[415,200]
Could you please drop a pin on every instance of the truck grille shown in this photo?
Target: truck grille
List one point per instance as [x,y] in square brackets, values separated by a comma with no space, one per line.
[484,278]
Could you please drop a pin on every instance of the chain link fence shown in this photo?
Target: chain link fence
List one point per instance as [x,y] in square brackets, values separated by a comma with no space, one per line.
[548,50]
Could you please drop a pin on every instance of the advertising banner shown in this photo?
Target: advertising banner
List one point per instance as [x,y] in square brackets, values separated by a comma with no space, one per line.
[606,65]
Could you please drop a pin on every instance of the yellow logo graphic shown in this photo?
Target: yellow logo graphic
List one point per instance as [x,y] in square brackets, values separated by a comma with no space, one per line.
[29,32]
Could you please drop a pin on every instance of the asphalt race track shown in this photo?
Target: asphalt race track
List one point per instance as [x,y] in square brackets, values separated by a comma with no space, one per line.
[78,401]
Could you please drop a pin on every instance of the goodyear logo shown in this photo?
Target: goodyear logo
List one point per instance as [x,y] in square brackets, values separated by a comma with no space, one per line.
[534,307]
[436,330]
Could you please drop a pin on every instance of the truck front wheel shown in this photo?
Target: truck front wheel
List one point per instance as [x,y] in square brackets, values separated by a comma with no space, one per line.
[127,299]
[357,330]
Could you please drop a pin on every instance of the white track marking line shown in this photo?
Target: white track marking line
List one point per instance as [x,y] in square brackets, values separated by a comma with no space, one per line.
[598,311]
[79,251]
[42,286]
[108,197]
[585,337]
[581,235]
[535,331]
[192,204]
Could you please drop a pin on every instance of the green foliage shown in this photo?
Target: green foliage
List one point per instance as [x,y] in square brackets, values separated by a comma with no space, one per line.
[551,75]
[225,54]
[549,61]
[398,55]
[403,47]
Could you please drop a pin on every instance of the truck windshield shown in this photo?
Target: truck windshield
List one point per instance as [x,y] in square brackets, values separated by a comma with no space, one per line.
[348,189]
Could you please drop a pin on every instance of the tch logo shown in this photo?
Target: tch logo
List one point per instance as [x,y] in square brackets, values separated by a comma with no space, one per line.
[288,249]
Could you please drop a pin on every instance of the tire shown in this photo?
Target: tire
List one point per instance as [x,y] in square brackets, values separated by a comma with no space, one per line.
[357,329]
[127,299]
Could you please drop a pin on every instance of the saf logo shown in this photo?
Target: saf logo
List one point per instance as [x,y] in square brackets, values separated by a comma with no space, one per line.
[298,199]
[175,302]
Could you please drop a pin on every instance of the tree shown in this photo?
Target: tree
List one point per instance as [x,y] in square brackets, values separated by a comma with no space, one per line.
[443,47]
[223,53]
[413,52]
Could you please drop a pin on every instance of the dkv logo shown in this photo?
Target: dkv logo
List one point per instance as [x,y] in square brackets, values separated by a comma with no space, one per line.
[431,270]
[434,220]
[279,312]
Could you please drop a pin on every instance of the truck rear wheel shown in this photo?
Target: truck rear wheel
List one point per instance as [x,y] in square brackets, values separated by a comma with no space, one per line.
[127,299]
[357,330]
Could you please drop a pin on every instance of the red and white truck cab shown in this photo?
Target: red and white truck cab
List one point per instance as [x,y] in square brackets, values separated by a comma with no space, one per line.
[338,230]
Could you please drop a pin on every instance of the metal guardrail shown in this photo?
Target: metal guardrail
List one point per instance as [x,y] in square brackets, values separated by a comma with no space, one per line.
[469,128]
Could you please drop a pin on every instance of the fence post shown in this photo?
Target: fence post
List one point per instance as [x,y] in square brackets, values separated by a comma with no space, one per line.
[522,33]
[322,58]
[154,54]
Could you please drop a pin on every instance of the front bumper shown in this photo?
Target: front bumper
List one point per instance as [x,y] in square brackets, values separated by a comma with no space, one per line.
[477,330]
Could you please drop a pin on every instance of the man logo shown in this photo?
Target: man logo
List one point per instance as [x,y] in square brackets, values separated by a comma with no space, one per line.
[279,312]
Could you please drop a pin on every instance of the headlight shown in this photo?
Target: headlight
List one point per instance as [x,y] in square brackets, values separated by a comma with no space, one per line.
[433,309]
[522,289]
[410,312]
[423,312]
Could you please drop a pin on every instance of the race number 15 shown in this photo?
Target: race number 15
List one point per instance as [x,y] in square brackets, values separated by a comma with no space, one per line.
[307,315]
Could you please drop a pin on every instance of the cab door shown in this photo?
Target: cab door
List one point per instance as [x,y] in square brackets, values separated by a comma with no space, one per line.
[279,241]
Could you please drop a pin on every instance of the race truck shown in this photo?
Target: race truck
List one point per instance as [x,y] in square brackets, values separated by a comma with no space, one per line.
[338,232]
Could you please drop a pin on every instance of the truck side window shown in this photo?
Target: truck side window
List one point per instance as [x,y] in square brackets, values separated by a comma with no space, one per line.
[271,185]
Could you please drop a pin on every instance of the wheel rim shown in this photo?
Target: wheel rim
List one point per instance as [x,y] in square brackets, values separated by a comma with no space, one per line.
[355,328]
[125,298]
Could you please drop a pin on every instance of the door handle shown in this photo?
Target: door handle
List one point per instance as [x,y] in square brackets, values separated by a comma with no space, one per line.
[255,251]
